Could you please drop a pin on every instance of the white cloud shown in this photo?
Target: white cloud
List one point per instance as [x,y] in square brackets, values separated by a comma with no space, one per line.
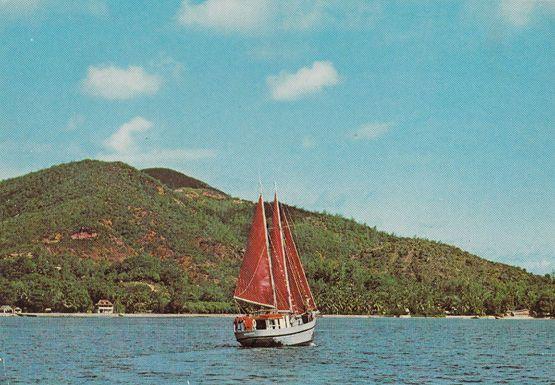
[308,142]
[535,264]
[122,140]
[371,131]
[305,81]
[17,8]
[168,66]
[123,146]
[160,156]
[111,82]
[516,12]
[255,16]
[537,258]
[226,15]
[19,5]
[519,12]
[97,8]
[75,122]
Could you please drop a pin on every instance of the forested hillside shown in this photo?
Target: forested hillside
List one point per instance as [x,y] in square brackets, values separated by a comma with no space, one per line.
[75,233]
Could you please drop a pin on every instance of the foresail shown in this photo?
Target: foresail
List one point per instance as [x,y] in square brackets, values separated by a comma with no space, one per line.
[300,291]
[255,283]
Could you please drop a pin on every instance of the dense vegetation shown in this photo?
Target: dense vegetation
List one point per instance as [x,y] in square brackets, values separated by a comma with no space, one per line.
[176,180]
[141,283]
[75,233]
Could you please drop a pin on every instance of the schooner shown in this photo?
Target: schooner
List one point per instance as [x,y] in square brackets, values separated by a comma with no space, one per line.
[272,285]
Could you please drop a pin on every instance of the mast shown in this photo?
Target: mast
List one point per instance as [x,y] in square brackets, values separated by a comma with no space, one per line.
[278,266]
[268,249]
[282,244]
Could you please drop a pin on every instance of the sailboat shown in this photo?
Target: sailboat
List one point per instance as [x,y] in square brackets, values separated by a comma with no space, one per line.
[272,289]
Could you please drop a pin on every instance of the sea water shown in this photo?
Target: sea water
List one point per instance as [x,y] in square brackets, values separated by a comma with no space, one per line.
[125,350]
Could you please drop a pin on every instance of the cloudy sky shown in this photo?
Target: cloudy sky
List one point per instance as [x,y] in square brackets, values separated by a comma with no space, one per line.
[427,118]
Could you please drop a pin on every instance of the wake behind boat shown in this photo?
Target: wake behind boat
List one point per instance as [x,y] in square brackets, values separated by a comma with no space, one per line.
[272,288]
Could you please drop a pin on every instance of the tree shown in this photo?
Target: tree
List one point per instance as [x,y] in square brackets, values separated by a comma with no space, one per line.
[544,305]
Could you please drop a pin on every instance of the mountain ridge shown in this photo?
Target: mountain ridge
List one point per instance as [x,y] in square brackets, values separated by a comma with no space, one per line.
[177,180]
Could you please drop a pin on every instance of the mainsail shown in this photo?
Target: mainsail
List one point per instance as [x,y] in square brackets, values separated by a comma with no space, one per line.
[273,277]
[279,269]
[255,283]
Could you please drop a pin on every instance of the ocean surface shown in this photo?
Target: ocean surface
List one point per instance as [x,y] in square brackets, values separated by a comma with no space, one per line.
[346,351]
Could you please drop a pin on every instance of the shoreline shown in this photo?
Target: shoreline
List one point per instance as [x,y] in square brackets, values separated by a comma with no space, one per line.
[227,315]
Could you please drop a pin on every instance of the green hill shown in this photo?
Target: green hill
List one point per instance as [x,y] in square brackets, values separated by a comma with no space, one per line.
[75,233]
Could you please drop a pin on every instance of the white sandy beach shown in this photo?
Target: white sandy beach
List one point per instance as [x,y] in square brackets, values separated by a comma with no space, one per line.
[191,315]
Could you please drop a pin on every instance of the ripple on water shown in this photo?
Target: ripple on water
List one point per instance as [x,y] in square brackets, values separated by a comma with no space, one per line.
[164,351]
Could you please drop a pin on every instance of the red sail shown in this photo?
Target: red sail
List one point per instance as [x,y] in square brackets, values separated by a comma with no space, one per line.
[300,291]
[278,260]
[255,283]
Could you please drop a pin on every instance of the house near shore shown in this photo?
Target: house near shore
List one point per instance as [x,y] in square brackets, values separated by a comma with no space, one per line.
[104,307]
[6,310]
[519,313]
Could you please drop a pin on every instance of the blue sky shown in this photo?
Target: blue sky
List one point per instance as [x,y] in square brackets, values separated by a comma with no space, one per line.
[429,118]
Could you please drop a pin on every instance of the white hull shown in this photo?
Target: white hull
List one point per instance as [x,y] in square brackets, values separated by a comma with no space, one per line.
[290,336]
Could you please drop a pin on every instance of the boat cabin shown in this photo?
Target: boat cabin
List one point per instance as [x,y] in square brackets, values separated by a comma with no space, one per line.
[270,321]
